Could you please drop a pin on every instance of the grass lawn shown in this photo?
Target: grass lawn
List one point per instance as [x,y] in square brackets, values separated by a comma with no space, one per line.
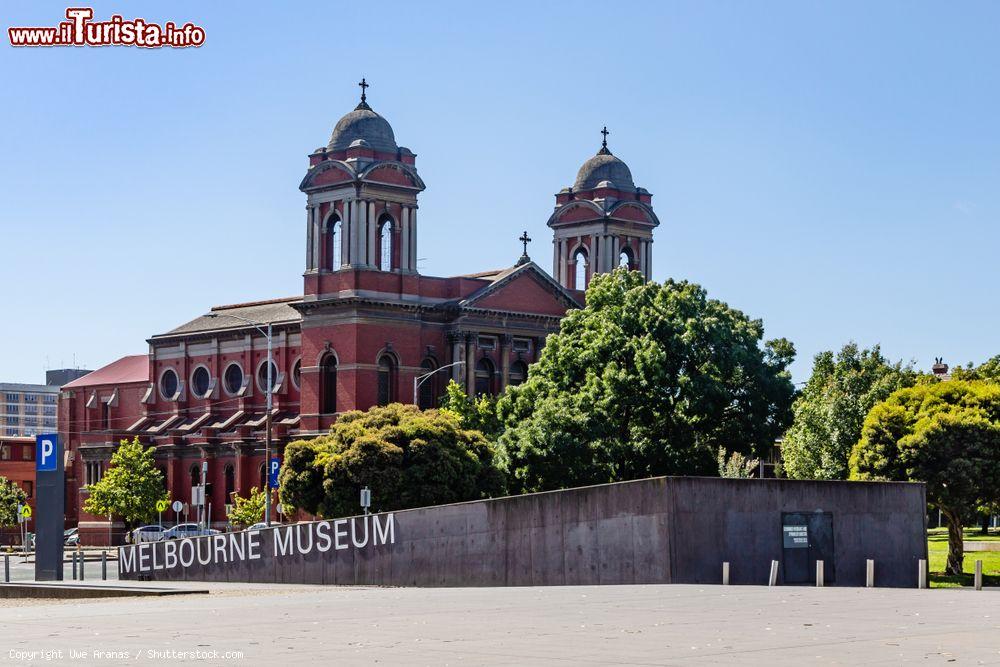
[937,551]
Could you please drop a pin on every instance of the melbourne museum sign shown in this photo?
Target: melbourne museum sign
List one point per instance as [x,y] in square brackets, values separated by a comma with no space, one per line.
[660,530]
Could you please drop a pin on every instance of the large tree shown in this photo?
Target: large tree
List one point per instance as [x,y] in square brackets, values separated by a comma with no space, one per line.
[131,487]
[407,458]
[647,379]
[829,412]
[988,370]
[11,496]
[945,434]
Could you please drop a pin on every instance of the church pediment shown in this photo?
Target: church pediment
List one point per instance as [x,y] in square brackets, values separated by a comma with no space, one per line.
[523,289]
[329,172]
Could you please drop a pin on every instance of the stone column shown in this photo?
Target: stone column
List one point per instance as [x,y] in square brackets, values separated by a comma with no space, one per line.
[642,257]
[372,236]
[592,258]
[362,216]
[345,241]
[456,339]
[351,215]
[470,364]
[649,259]
[413,239]
[310,237]
[404,248]
[505,343]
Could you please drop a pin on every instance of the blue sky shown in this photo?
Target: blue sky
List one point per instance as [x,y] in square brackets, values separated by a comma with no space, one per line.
[831,168]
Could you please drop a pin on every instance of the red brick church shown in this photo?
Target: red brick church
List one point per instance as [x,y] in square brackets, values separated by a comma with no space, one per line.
[366,325]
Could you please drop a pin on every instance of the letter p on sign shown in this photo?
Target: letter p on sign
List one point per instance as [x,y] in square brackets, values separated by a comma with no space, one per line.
[46,452]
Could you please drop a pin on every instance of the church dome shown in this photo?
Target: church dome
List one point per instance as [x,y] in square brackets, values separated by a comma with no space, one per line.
[604,167]
[365,125]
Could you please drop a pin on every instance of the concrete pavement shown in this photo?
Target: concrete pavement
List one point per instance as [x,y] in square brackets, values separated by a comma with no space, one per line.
[647,625]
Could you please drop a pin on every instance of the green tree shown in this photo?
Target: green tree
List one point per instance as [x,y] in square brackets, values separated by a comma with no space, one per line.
[832,407]
[249,510]
[945,434]
[131,487]
[407,457]
[476,414]
[736,466]
[647,379]
[11,495]
[988,370]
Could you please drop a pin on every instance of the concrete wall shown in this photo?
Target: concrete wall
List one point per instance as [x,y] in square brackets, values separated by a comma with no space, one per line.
[660,530]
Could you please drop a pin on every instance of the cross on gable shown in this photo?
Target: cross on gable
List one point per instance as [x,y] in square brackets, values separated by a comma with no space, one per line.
[364,85]
[605,132]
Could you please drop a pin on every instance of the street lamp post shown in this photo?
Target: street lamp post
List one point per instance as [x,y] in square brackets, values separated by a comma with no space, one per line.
[268,393]
[419,380]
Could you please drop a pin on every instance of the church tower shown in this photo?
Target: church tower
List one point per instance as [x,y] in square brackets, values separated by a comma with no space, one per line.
[361,199]
[602,222]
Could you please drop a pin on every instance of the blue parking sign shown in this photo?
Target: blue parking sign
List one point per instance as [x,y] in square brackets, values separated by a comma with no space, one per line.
[46,452]
[273,473]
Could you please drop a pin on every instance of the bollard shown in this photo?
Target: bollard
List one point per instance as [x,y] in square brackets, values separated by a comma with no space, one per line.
[104,565]
[922,573]
[979,575]
[725,573]
[819,574]
[6,569]
[73,556]
[773,579]
[870,573]
[82,561]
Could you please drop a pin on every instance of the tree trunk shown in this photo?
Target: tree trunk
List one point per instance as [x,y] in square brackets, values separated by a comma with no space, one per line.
[956,549]
[984,525]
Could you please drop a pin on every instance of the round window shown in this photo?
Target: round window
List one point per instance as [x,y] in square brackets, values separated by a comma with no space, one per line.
[234,378]
[168,384]
[199,381]
[297,373]
[262,375]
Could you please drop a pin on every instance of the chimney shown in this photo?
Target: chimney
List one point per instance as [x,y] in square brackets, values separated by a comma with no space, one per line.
[939,369]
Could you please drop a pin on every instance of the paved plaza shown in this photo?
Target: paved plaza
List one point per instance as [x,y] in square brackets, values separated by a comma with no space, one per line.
[614,625]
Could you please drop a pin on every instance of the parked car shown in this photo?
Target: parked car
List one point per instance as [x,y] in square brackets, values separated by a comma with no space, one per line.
[150,533]
[258,526]
[182,530]
[71,537]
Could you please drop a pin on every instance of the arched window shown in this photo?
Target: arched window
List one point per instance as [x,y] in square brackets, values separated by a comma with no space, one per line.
[230,482]
[625,258]
[336,241]
[484,377]
[428,390]
[385,244]
[328,384]
[386,380]
[518,373]
[580,277]
[196,474]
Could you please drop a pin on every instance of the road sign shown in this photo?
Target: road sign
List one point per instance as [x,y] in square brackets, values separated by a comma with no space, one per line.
[273,475]
[177,506]
[46,452]
[162,505]
[366,498]
[278,508]
[26,511]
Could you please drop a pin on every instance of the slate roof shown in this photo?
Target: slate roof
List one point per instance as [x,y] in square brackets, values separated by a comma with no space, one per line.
[274,311]
[604,167]
[365,124]
[133,368]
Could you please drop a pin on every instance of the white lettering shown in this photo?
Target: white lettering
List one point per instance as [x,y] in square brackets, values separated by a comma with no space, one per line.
[208,556]
[220,548]
[152,548]
[253,542]
[298,537]
[143,557]
[236,545]
[169,554]
[323,541]
[338,533]
[282,546]
[354,532]
[390,530]
[126,559]
[190,548]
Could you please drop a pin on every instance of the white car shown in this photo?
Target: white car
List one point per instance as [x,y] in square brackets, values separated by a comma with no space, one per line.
[183,530]
[147,534]
[258,526]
